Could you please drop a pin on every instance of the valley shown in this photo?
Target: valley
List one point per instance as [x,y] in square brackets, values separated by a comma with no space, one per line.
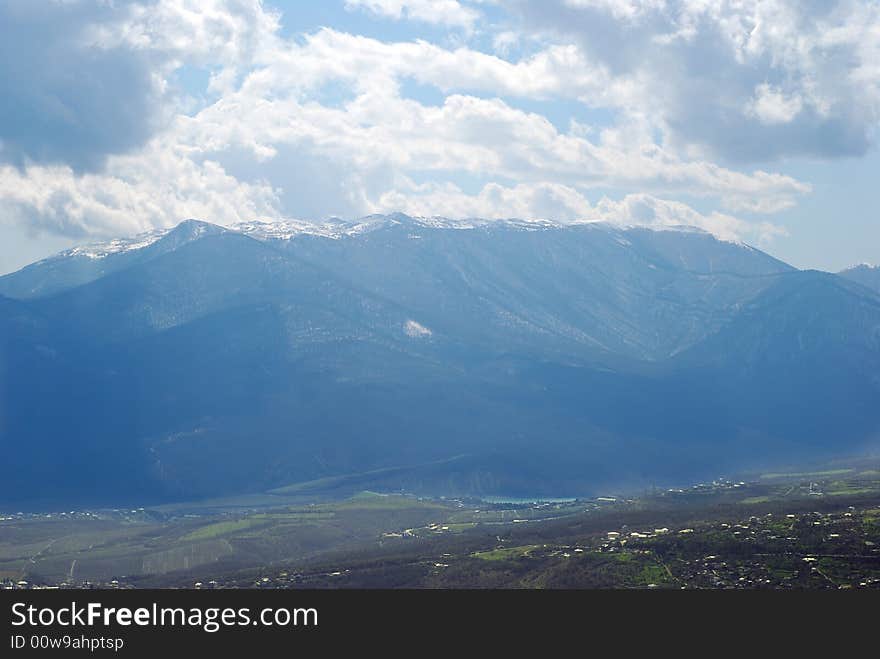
[799,529]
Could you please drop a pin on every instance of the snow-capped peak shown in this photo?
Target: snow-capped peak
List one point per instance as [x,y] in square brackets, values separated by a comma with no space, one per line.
[103,249]
[185,232]
[862,266]
[334,228]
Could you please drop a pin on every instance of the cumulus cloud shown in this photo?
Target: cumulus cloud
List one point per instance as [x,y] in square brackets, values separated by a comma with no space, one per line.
[550,201]
[378,127]
[324,123]
[439,12]
[225,36]
[83,80]
[552,72]
[494,201]
[156,187]
[62,100]
[645,210]
[744,81]
[771,106]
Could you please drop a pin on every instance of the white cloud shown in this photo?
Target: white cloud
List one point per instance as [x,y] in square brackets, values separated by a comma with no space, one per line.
[524,201]
[645,210]
[752,80]
[153,188]
[561,203]
[557,71]
[270,144]
[504,42]
[226,36]
[771,106]
[416,330]
[620,9]
[438,12]
[477,135]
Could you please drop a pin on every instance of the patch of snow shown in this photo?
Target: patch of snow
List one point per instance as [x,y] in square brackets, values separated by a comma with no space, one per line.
[336,229]
[116,246]
[416,330]
[289,229]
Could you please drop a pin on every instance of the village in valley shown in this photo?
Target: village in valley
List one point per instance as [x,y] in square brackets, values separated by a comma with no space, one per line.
[815,530]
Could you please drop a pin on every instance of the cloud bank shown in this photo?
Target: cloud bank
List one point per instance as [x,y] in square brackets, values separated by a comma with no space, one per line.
[130,115]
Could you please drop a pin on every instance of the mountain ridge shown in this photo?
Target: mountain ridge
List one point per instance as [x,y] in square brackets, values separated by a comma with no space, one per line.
[864,274]
[556,359]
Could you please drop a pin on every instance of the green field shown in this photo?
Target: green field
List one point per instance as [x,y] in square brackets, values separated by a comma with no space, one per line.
[55,550]
[505,554]
[807,474]
[804,529]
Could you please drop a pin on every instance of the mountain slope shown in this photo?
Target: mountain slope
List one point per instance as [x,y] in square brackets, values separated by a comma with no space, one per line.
[866,275]
[584,289]
[424,354]
[82,265]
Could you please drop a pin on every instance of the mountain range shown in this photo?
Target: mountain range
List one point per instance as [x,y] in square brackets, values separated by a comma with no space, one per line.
[425,355]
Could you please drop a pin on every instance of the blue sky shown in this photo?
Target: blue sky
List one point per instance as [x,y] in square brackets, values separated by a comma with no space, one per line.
[756,120]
